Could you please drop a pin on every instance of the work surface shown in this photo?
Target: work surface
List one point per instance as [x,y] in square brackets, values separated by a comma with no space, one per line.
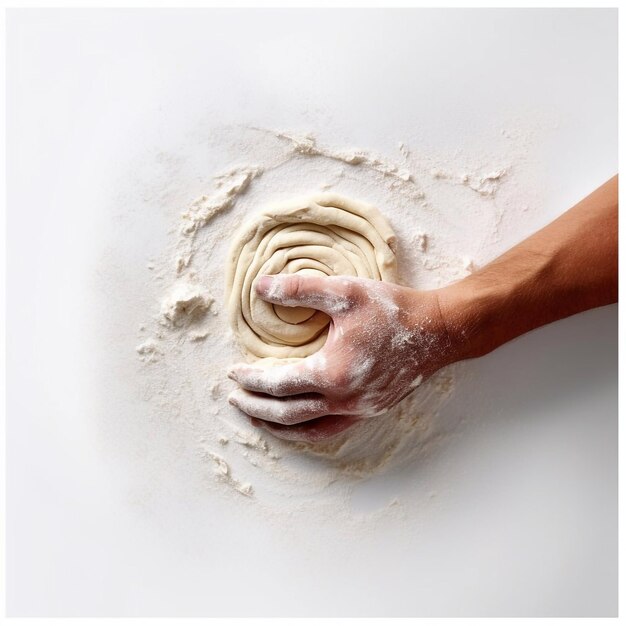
[515,513]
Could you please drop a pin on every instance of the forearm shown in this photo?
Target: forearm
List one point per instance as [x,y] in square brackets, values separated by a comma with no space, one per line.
[567,267]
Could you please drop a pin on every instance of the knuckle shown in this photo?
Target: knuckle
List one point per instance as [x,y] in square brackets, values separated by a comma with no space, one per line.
[340,380]
[293,286]
[351,288]
[351,405]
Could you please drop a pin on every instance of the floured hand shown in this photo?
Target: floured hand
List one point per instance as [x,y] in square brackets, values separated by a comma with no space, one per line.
[383,340]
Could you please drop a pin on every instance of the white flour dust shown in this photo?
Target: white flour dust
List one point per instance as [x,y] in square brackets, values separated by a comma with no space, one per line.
[446,213]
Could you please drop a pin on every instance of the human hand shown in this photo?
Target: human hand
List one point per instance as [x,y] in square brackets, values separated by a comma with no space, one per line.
[383,340]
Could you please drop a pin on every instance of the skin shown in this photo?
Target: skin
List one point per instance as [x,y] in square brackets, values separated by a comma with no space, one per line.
[385,339]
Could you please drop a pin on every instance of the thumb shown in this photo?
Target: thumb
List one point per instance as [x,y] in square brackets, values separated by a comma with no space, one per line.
[330,294]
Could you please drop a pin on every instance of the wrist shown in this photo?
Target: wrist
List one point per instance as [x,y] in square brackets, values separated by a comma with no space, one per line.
[468,310]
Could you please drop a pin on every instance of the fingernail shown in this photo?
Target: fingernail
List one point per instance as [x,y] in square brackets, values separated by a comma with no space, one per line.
[231,399]
[264,283]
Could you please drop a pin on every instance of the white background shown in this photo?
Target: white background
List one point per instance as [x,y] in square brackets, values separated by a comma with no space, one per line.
[526,522]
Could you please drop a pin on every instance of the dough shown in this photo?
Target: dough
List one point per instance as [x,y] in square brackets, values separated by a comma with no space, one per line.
[324,235]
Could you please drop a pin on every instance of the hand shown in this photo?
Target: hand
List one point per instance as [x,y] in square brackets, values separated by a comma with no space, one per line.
[383,341]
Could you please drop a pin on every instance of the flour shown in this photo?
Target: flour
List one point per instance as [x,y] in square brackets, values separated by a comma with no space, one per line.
[185,303]
[447,212]
[198,336]
[223,473]
[307,145]
[250,440]
[421,241]
[148,351]
[227,187]
[484,184]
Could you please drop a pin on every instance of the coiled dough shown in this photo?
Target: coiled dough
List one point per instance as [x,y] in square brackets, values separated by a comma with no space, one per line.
[327,235]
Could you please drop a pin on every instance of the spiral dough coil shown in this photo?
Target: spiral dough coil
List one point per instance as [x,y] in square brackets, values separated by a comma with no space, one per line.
[326,235]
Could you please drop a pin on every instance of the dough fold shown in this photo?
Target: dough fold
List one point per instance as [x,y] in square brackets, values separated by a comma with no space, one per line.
[327,235]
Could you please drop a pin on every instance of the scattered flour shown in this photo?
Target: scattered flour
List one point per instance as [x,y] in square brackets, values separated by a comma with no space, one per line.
[445,214]
[227,187]
[307,145]
[223,473]
[200,335]
[421,241]
[148,351]
[185,303]
[485,185]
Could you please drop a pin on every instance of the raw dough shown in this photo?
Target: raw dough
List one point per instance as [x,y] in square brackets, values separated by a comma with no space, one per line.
[323,235]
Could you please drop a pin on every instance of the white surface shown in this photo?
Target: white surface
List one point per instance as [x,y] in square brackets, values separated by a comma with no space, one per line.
[524,521]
